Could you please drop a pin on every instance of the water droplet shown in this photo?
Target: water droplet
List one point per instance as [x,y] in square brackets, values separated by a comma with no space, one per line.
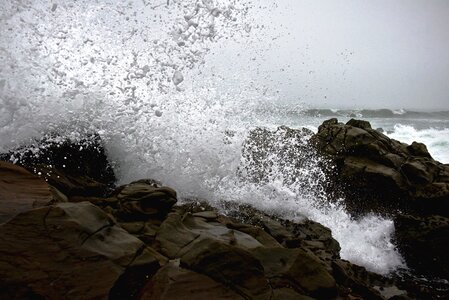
[177,77]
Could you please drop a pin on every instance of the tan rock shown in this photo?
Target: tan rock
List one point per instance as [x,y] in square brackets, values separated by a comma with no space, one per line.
[67,251]
[20,191]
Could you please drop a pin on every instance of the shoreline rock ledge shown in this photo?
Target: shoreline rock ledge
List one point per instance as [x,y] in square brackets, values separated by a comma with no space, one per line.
[65,238]
[374,173]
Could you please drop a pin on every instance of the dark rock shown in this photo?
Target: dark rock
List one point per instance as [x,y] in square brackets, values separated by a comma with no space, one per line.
[307,234]
[67,251]
[375,173]
[418,149]
[173,282]
[208,215]
[75,167]
[20,191]
[180,229]
[423,242]
[102,244]
[359,123]
[296,268]
[357,280]
[228,264]
[314,237]
[256,232]
[289,294]
[142,199]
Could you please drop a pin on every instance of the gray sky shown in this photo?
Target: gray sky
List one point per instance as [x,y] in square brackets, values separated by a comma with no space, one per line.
[350,54]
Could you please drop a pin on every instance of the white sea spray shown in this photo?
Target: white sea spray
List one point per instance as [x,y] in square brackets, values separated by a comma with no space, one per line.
[436,140]
[132,72]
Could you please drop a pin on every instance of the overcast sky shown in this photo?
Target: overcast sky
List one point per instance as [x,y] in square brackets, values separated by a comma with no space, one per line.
[351,53]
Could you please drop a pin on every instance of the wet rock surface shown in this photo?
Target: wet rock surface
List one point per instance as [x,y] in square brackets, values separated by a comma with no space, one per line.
[135,242]
[424,241]
[20,191]
[67,250]
[371,173]
[78,168]
[376,173]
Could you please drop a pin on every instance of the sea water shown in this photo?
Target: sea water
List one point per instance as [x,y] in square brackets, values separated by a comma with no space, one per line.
[147,76]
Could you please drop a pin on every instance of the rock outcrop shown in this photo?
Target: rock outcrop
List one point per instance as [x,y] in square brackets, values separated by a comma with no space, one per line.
[135,242]
[20,191]
[67,251]
[367,170]
[380,174]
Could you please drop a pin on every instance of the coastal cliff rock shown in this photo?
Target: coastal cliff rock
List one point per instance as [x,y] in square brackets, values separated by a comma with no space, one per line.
[370,172]
[380,174]
[135,242]
[174,282]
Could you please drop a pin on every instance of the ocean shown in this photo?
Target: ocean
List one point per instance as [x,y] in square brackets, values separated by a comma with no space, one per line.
[407,126]
[139,75]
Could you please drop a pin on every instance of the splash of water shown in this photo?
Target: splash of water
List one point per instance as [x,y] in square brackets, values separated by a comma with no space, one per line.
[133,73]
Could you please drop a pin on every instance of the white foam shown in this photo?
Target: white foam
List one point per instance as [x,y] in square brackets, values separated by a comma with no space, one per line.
[436,140]
[112,68]
[400,111]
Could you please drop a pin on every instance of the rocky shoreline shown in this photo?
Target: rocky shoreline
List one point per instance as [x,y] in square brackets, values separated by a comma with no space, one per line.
[67,232]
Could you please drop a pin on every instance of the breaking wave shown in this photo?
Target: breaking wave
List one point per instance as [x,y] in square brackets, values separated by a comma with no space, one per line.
[137,73]
[375,113]
[436,140]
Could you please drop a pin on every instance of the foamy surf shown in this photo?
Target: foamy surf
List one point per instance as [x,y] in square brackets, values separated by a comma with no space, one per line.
[132,73]
[436,140]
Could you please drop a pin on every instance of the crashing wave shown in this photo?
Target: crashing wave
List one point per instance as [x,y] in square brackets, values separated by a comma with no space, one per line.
[131,71]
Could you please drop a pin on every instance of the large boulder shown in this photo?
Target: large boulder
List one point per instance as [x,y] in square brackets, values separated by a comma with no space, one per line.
[145,198]
[20,191]
[228,264]
[376,173]
[305,234]
[67,251]
[179,230]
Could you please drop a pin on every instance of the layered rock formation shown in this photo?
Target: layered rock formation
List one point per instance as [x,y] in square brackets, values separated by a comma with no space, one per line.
[380,174]
[376,173]
[20,191]
[133,242]
[371,173]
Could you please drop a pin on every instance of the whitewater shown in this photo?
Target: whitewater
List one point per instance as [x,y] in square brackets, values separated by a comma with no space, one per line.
[147,77]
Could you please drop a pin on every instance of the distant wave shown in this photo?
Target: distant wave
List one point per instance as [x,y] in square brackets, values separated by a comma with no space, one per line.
[437,141]
[375,113]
